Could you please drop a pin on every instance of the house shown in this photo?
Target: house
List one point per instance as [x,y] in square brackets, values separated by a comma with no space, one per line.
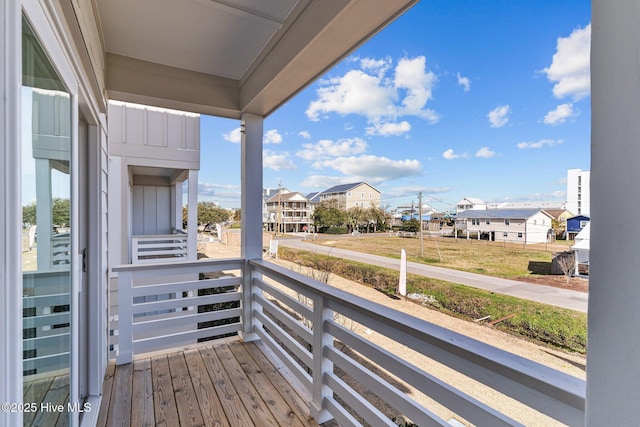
[288,212]
[579,191]
[560,216]
[358,194]
[470,203]
[527,205]
[581,250]
[575,224]
[506,225]
[242,61]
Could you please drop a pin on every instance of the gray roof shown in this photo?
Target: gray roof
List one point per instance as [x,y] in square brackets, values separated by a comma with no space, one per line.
[313,197]
[342,188]
[500,213]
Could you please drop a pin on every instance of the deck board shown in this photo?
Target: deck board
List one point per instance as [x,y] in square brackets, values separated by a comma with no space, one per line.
[224,384]
[142,415]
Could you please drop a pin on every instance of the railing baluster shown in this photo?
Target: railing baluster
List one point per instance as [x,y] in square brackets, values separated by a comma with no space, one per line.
[125,317]
[321,364]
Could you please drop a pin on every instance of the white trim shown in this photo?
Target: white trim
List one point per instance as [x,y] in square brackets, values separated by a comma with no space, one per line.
[10,211]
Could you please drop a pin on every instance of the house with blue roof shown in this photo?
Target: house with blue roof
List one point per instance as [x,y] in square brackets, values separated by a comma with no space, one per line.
[505,225]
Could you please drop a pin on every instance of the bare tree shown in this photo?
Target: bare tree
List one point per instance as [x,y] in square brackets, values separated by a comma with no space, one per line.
[567,263]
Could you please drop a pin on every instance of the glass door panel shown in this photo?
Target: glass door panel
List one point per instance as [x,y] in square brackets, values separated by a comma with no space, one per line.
[46,231]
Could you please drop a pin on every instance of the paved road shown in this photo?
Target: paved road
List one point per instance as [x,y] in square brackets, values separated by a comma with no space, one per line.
[573,300]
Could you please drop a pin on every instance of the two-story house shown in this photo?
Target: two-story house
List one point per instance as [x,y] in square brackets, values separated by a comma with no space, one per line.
[470,203]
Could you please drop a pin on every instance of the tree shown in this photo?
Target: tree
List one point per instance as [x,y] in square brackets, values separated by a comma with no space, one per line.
[567,263]
[208,213]
[411,225]
[60,211]
[379,217]
[358,218]
[329,214]
[29,213]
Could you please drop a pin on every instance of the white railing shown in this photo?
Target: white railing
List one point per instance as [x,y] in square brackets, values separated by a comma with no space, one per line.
[60,251]
[306,323]
[166,305]
[45,323]
[158,248]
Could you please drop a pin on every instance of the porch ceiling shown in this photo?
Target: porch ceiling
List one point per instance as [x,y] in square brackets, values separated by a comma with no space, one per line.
[226,57]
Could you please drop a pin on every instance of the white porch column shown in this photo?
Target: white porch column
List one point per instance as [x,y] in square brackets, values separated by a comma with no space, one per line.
[192,217]
[43,215]
[613,361]
[251,220]
[10,210]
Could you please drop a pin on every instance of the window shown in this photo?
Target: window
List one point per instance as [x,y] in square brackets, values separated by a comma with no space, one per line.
[363,194]
[519,235]
[535,221]
[506,222]
[370,196]
[348,193]
[505,234]
[487,221]
[582,224]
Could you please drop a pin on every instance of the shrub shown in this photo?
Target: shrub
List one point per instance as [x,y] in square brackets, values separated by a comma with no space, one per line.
[336,230]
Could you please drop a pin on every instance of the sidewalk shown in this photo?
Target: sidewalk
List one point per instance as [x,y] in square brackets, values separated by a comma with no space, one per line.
[565,298]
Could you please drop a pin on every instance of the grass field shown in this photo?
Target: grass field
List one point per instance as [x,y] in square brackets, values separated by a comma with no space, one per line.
[490,258]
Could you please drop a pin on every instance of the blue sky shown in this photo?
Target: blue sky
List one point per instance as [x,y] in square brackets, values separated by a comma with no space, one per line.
[463,98]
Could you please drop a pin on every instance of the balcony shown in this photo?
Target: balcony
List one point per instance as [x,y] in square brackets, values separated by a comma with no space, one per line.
[321,335]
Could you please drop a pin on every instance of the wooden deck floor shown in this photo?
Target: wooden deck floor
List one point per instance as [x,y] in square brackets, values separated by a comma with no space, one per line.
[224,384]
[54,391]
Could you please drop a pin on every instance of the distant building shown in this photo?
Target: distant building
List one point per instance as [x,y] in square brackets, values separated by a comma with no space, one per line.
[470,204]
[359,194]
[547,206]
[288,212]
[579,192]
[505,225]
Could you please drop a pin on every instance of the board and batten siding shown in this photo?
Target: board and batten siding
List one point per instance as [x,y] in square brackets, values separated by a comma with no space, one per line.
[154,136]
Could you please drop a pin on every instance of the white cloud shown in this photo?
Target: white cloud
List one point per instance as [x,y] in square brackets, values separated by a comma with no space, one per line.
[373,93]
[233,136]
[539,144]
[277,161]
[560,114]
[374,169]
[218,191]
[325,149]
[464,82]
[451,155]
[485,152]
[570,66]
[305,134]
[272,137]
[498,116]
[387,129]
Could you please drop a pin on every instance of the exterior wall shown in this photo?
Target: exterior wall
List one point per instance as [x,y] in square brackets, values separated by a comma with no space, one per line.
[532,230]
[579,192]
[363,195]
[149,136]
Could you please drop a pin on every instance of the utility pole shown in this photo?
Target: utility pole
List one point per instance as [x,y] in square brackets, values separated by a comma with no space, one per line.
[279,207]
[420,213]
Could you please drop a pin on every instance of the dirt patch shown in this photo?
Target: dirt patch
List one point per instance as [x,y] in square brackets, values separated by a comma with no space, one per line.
[575,283]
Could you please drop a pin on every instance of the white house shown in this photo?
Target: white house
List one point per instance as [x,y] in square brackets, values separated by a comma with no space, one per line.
[506,225]
[470,203]
[242,60]
[581,250]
